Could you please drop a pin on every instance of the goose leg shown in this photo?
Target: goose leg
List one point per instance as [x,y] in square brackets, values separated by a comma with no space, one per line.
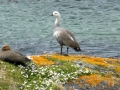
[67,50]
[61,49]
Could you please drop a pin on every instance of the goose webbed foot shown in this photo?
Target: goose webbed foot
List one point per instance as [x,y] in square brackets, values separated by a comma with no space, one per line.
[65,54]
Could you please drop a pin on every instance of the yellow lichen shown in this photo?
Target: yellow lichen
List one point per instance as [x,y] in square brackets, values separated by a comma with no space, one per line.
[40,60]
[89,59]
[93,80]
[61,57]
[106,62]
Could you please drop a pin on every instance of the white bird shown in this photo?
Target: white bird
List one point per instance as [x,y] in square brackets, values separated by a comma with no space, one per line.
[63,36]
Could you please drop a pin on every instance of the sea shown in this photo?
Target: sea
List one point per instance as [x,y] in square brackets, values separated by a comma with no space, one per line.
[27,25]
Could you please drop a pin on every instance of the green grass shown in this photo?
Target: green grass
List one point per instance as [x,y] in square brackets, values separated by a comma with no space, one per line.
[46,77]
[10,76]
[35,77]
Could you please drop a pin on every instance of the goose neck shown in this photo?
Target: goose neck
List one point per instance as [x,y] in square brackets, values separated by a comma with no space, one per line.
[57,21]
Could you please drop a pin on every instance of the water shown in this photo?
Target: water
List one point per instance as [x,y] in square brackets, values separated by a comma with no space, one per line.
[28,27]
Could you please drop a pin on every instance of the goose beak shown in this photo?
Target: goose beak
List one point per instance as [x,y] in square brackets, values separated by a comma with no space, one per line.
[51,15]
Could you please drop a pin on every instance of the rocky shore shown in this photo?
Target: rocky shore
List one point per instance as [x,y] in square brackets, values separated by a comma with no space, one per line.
[57,72]
[106,76]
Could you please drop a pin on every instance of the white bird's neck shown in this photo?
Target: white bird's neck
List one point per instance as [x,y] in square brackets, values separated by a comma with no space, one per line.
[57,22]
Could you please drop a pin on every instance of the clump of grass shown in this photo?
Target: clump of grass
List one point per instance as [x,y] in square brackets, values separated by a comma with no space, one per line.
[10,76]
[46,77]
[52,71]
[34,77]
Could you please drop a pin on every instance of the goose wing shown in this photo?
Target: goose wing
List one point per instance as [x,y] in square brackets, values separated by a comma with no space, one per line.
[68,38]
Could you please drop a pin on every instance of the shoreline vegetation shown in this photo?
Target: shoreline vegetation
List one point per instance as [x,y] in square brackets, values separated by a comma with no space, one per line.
[56,72]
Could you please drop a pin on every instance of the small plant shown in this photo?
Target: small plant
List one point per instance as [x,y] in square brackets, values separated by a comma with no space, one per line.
[45,77]
[52,72]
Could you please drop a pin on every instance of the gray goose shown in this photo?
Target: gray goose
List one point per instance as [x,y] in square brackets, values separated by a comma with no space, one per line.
[13,56]
[63,36]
